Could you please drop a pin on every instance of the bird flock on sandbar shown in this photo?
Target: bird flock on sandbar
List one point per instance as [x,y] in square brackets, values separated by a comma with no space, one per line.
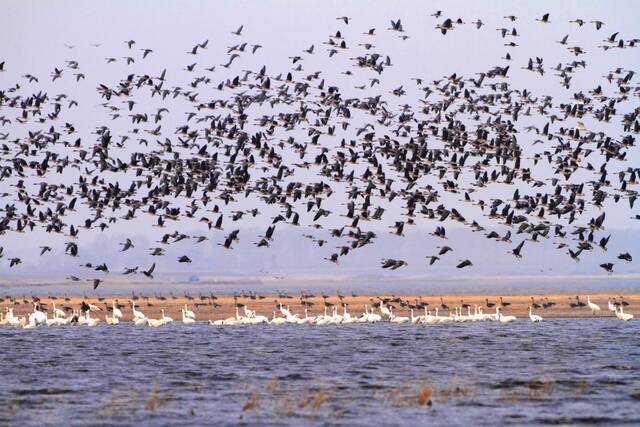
[314,146]
[418,311]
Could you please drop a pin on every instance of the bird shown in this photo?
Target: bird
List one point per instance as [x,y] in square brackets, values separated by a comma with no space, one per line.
[607,266]
[593,307]
[432,259]
[445,26]
[625,257]
[464,263]
[534,317]
[517,249]
[149,272]
[504,319]
[132,270]
[126,245]
[393,264]
[187,320]
[620,314]
[544,19]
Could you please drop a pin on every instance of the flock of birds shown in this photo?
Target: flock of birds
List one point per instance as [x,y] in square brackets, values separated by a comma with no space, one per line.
[420,162]
[332,313]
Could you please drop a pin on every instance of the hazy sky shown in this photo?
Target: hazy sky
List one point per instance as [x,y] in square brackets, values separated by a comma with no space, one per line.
[34,35]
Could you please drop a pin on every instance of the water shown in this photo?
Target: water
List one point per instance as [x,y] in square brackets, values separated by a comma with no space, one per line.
[560,371]
[370,285]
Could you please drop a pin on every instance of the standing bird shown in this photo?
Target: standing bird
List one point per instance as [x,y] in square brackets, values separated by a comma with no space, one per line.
[534,317]
[593,307]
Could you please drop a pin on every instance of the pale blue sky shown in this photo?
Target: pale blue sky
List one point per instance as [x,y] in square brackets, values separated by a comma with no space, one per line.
[34,34]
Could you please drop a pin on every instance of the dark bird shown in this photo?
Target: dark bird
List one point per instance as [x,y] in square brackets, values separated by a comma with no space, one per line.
[444,250]
[126,245]
[149,272]
[132,270]
[544,19]
[432,259]
[625,256]
[464,263]
[608,267]
[517,249]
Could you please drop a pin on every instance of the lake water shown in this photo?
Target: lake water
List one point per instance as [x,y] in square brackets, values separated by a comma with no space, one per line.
[557,372]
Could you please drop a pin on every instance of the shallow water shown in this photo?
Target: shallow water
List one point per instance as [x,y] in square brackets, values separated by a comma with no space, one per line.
[369,285]
[560,371]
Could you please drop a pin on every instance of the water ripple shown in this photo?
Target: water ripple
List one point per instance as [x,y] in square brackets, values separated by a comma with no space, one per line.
[561,372]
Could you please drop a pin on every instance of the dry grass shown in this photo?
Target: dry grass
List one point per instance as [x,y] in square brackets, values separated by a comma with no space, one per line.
[155,399]
[251,402]
[424,397]
[151,305]
[317,401]
[540,389]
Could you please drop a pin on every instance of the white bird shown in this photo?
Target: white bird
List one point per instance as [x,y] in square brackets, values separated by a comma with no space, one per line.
[57,311]
[52,321]
[31,324]
[90,321]
[396,319]
[504,319]
[592,306]
[248,312]
[165,319]
[384,310]
[347,317]
[137,314]
[620,314]
[189,313]
[373,317]
[534,317]
[111,319]
[154,323]
[306,319]
[116,311]
[187,319]
[278,320]
[38,316]
[140,321]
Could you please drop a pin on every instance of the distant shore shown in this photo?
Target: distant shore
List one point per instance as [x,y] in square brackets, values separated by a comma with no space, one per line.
[223,305]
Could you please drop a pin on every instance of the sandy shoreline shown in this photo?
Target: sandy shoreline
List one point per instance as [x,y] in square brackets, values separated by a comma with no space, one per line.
[223,306]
